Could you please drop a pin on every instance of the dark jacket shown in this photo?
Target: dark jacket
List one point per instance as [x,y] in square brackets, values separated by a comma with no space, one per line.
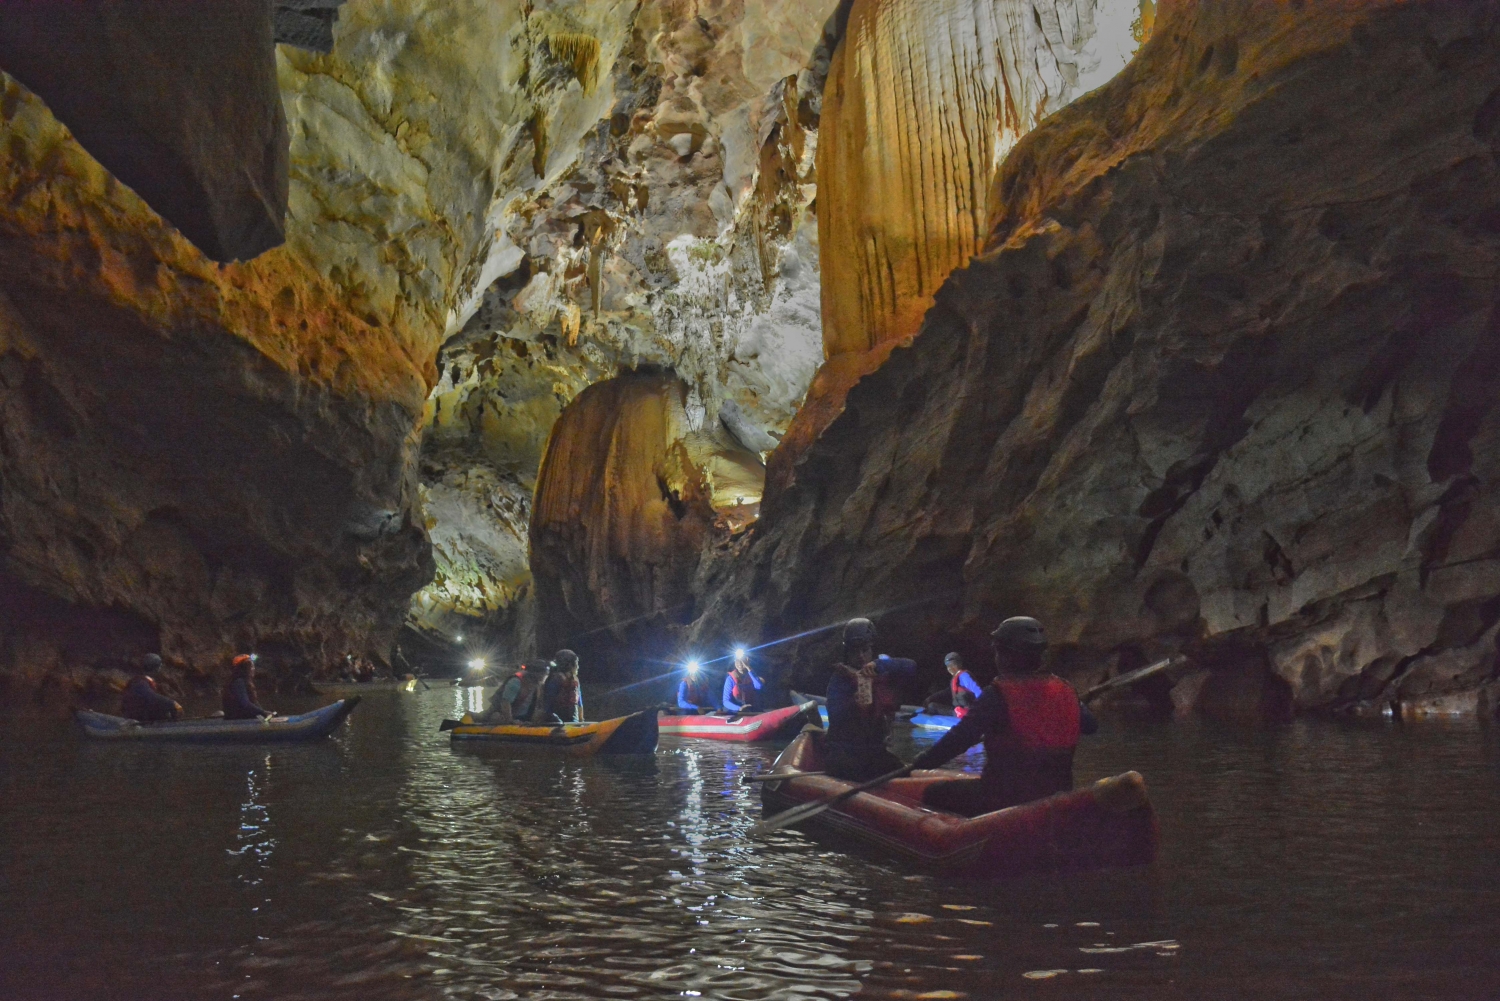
[1030,727]
[141,701]
[239,700]
[851,725]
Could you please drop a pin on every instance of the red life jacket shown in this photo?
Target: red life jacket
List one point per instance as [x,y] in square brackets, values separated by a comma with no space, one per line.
[1044,713]
[960,694]
[1031,757]
[734,686]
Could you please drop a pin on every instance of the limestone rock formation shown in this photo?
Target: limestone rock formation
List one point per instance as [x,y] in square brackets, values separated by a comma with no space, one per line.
[681,236]
[179,101]
[193,457]
[1222,382]
[925,98]
[621,515]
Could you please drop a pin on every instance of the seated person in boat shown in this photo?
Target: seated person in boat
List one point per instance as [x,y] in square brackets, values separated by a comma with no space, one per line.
[562,695]
[519,700]
[863,696]
[695,693]
[739,684]
[964,688]
[239,691]
[141,701]
[1030,722]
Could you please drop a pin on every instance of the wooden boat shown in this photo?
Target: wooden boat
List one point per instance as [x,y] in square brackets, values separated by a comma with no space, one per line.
[356,687]
[276,730]
[769,725]
[634,734]
[1104,825]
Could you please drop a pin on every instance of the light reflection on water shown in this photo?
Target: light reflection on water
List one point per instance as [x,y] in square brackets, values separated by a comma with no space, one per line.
[1313,859]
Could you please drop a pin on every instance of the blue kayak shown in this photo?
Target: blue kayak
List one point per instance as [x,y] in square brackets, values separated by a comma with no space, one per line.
[929,721]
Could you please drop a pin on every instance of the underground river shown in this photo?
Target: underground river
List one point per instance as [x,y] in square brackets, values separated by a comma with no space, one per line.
[1319,859]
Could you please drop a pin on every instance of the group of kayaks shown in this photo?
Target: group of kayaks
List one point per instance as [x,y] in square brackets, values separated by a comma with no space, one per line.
[1107,824]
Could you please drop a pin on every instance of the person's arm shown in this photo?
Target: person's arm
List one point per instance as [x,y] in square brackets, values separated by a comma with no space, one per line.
[1087,722]
[578,716]
[966,680]
[241,693]
[969,731]
[728,700]
[753,679]
[683,702]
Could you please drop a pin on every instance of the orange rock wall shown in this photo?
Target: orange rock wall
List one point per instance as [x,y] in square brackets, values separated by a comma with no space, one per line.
[221,453]
[619,518]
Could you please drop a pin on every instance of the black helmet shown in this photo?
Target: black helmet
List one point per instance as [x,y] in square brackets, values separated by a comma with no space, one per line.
[859,631]
[1020,634]
[953,658]
[151,663]
[565,659]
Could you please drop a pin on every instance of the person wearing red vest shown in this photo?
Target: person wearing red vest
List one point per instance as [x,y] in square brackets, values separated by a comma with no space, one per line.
[961,685]
[1030,722]
[740,684]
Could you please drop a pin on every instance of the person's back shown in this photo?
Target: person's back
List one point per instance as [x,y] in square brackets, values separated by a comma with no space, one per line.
[141,701]
[562,695]
[1030,723]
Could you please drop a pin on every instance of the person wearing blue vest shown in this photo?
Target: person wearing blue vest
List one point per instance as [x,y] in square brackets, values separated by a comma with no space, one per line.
[1029,721]
[739,683]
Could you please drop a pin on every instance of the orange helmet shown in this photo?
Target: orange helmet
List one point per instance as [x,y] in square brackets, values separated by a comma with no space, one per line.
[242,659]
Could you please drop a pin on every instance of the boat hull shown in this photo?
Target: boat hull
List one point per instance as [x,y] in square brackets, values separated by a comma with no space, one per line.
[634,734]
[772,725]
[302,728]
[1109,824]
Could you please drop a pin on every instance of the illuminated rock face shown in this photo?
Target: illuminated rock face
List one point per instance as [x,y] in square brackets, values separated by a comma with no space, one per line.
[925,98]
[681,237]
[621,515]
[1223,381]
[194,456]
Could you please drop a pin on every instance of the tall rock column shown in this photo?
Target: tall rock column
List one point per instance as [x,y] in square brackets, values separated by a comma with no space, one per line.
[924,100]
[619,519]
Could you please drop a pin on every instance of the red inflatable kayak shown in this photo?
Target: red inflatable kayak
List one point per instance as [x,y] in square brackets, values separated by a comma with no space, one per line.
[1104,825]
[742,726]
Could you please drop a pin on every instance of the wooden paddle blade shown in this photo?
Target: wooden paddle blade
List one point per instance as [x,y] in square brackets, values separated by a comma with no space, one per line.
[1130,678]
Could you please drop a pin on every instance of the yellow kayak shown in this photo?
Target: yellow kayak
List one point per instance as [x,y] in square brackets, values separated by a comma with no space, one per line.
[635,734]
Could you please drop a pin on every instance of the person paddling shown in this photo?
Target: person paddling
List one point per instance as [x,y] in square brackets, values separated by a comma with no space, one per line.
[1029,721]
[562,695]
[740,683]
[521,697]
[863,695]
[239,696]
[141,701]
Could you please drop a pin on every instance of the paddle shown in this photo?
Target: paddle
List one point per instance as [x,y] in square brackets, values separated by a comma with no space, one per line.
[778,776]
[1129,678]
[449,724]
[797,814]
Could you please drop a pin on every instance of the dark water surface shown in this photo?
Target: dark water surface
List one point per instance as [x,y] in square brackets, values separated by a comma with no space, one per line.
[1314,860]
